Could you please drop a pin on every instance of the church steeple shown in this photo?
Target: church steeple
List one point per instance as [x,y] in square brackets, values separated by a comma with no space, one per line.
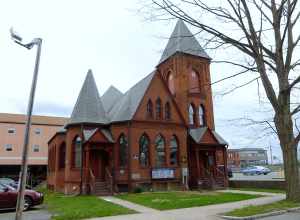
[182,40]
[88,107]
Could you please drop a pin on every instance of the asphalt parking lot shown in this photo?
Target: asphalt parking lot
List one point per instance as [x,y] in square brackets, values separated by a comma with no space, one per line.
[270,176]
[37,213]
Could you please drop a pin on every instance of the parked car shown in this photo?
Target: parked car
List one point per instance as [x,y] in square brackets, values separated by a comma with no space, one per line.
[9,194]
[256,170]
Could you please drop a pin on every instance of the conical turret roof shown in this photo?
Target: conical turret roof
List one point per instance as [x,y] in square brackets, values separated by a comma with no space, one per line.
[182,40]
[88,107]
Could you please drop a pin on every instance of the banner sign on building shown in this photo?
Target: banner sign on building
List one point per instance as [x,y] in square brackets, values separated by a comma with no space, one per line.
[163,173]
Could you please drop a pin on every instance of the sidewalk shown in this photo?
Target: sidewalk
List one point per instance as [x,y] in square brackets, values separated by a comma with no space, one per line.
[196,213]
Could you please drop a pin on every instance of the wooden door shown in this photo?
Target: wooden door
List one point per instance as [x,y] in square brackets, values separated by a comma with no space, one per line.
[99,162]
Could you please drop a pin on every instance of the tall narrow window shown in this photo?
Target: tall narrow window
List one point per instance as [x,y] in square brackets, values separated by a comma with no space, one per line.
[191,114]
[167,111]
[160,159]
[158,110]
[144,151]
[62,156]
[123,151]
[194,82]
[171,83]
[173,151]
[201,115]
[77,153]
[149,109]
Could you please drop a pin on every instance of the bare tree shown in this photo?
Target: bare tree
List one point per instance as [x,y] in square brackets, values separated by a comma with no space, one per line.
[265,32]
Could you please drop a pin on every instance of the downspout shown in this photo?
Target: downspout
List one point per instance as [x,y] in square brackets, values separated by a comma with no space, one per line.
[129,156]
[81,159]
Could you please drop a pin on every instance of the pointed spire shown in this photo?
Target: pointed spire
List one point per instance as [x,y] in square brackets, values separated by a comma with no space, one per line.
[110,97]
[182,40]
[88,107]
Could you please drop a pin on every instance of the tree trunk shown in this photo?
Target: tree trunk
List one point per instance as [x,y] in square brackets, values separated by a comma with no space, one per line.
[291,171]
[284,127]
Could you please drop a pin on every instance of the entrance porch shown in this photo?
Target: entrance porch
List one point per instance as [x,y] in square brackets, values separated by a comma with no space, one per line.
[98,166]
[207,159]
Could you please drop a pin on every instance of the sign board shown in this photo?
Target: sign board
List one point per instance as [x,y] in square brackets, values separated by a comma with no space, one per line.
[163,173]
[184,171]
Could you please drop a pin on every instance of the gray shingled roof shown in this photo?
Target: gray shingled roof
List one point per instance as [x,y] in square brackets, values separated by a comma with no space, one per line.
[197,134]
[219,138]
[88,107]
[110,97]
[125,108]
[87,133]
[182,40]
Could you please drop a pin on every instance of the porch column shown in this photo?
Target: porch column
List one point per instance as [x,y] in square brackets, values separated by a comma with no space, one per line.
[86,169]
[225,167]
[198,164]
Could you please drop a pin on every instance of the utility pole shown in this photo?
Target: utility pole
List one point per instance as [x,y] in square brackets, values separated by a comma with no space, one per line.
[271,154]
[22,181]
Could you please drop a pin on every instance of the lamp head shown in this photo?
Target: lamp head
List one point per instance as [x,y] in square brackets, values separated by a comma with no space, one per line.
[14,35]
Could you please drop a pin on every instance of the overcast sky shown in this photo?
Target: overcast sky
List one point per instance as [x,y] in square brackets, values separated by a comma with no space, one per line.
[120,47]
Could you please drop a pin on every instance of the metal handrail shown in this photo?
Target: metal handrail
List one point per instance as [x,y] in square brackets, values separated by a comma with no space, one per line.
[92,181]
[220,171]
[110,179]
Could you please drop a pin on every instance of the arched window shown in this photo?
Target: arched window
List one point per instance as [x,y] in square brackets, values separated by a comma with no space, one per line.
[174,151]
[191,114]
[158,109]
[123,151]
[160,159]
[77,153]
[194,81]
[171,83]
[149,109]
[144,151]
[167,111]
[62,156]
[201,115]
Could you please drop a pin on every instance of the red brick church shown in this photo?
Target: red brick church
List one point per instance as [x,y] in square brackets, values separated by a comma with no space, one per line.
[158,135]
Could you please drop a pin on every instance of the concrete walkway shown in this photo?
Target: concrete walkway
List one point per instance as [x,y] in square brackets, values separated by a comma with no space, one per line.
[209,212]
[130,205]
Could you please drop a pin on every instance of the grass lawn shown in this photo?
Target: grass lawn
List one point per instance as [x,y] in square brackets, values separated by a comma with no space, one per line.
[260,190]
[80,207]
[176,200]
[254,210]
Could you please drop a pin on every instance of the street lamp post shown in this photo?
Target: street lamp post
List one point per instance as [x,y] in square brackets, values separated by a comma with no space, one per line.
[22,181]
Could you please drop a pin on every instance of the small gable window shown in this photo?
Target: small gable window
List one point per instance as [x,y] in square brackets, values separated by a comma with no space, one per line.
[191,114]
[123,151]
[144,151]
[160,159]
[158,109]
[149,109]
[171,83]
[194,82]
[173,151]
[201,115]
[77,153]
[167,111]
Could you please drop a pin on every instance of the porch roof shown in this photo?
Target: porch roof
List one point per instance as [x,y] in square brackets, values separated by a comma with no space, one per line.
[198,133]
[88,134]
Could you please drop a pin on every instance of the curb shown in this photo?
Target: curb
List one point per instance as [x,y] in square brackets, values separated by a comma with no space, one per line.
[261,215]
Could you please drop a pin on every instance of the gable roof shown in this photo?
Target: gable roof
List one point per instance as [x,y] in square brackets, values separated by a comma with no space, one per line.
[198,133]
[182,40]
[88,107]
[88,134]
[110,97]
[126,106]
